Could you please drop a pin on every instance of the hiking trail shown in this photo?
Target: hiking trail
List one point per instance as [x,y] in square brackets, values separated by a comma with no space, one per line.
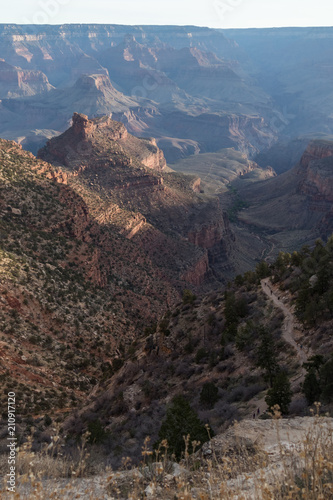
[290,327]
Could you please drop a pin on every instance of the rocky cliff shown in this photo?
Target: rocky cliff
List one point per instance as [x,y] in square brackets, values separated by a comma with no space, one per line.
[316,170]
[295,206]
[86,136]
[85,128]
[16,82]
[164,213]
[207,235]
[197,274]
[144,76]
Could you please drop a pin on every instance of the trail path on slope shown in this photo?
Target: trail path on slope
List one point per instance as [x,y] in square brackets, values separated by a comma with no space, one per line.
[290,327]
[289,324]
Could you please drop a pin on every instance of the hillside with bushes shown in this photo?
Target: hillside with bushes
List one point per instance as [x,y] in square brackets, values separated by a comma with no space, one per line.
[227,354]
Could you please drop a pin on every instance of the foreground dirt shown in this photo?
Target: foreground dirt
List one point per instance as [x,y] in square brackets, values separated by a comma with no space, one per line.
[258,457]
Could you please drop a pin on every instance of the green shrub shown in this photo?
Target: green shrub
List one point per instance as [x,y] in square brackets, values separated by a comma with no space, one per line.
[201,354]
[97,432]
[280,393]
[188,297]
[182,421]
[209,394]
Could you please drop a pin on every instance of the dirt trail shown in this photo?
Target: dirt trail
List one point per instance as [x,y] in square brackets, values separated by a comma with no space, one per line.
[289,328]
[288,333]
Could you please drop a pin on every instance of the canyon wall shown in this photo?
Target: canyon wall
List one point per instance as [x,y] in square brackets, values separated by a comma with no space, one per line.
[316,171]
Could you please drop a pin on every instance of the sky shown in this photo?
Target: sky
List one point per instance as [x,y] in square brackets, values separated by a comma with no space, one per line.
[211,13]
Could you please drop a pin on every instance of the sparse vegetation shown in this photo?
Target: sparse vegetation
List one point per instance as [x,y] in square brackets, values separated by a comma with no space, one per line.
[95,344]
[305,472]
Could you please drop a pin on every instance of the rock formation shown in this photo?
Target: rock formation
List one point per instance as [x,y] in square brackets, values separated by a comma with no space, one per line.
[296,206]
[162,83]
[85,134]
[16,82]
[144,203]
[316,168]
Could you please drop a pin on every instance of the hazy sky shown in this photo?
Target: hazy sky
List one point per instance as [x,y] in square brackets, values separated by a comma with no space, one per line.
[213,13]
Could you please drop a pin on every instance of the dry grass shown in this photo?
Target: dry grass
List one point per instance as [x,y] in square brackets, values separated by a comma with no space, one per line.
[301,471]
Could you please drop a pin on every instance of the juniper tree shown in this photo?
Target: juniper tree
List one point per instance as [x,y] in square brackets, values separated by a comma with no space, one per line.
[180,421]
[280,393]
[266,355]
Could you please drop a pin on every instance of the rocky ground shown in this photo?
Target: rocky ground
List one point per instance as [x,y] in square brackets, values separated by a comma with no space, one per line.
[252,460]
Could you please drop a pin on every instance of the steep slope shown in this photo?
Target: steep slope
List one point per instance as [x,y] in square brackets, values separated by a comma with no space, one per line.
[295,208]
[15,82]
[212,101]
[82,274]
[69,286]
[128,172]
[222,351]
[91,94]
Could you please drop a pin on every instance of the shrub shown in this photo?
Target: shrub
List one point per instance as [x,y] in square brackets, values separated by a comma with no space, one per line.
[237,394]
[188,297]
[201,354]
[47,420]
[209,395]
[181,421]
[97,432]
[280,393]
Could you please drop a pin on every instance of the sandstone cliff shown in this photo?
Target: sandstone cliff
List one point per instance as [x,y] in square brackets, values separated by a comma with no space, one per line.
[295,206]
[16,82]
[316,170]
[162,212]
[208,235]
[85,137]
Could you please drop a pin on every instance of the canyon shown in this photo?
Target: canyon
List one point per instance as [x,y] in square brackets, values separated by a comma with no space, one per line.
[130,174]
[151,178]
[235,89]
[295,208]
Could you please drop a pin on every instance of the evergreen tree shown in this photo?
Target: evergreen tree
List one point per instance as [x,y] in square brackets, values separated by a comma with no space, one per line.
[303,299]
[315,362]
[263,270]
[181,420]
[296,259]
[233,311]
[326,381]
[209,394]
[280,393]
[230,313]
[311,387]
[318,383]
[243,338]
[266,355]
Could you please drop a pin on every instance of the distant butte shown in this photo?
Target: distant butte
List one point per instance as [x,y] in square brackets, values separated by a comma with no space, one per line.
[185,231]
